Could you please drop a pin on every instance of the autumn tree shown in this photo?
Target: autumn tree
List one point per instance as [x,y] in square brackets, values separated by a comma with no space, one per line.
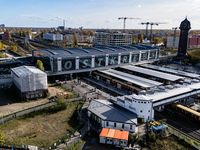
[40,65]
[1,45]
[14,48]
[75,40]
[2,138]
[141,38]
[157,40]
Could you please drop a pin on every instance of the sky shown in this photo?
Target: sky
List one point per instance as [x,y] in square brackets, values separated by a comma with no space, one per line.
[101,14]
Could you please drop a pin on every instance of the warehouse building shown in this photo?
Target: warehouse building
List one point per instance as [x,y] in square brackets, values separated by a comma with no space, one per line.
[29,81]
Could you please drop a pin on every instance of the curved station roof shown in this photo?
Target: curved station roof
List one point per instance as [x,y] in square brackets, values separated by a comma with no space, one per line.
[92,50]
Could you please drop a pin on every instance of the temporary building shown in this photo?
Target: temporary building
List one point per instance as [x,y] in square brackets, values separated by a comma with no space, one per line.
[114,137]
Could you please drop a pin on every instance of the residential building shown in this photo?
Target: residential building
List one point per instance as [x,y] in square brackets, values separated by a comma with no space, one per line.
[53,37]
[112,39]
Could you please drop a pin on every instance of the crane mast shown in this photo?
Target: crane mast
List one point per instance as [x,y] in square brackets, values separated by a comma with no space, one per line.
[124,18]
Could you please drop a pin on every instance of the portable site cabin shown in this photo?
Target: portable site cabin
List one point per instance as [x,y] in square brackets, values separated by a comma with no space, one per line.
[110,136]
[124,138]
[114,137]
[103,134]
[116,140]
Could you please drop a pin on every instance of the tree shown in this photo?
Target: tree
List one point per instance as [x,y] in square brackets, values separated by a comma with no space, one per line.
[141,38]
[75,40]
[14,48]
[2,138]
[157,40]
[40,65]
[1,45]
[61,102]
[164,40]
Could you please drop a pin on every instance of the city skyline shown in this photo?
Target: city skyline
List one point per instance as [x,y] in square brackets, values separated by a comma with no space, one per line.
[99,14]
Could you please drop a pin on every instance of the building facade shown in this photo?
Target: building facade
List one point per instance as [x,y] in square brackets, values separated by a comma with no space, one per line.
[110,116]
[112,39]
[53,37]
[74,60]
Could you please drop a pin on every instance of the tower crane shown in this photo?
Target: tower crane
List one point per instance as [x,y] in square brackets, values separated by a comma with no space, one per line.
[124,18]
[151,24]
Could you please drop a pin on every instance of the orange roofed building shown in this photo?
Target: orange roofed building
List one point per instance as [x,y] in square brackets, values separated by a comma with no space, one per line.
[114,137]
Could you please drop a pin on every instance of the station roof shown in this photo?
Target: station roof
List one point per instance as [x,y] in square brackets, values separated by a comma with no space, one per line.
[164,94]
[153,73]
[78,51]
[109,112]
[142,82]
[178,72]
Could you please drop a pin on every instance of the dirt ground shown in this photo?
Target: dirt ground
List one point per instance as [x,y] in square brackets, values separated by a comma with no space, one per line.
[40,130]
[8,107]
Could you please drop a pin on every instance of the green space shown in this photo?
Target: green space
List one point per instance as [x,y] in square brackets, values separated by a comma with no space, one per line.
[41,128]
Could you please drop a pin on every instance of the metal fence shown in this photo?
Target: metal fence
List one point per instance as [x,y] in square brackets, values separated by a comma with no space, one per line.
[186,139]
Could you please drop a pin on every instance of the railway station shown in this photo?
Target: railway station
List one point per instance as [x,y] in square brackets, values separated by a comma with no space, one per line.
[78,60]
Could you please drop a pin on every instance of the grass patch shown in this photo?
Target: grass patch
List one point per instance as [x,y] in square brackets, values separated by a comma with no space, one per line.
[41,128]
[170,143]
[75,147]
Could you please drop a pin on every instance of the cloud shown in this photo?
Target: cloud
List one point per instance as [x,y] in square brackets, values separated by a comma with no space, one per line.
[139,6]
[108,21]
[195,8]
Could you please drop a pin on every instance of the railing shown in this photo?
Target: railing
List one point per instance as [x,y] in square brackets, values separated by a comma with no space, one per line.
[186,139]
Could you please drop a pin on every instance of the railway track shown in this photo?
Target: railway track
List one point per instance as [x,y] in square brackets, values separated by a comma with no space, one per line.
[175,125]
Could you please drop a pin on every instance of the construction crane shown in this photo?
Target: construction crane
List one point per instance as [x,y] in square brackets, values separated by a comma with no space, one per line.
[124,18]
[151,24]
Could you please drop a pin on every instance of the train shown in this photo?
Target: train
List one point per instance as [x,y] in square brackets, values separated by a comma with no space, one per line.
[186,111]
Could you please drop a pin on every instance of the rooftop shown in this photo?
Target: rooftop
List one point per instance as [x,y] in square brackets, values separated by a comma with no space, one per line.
[142,82]
[178,72]
[153,73]
[71,52]
[110,112]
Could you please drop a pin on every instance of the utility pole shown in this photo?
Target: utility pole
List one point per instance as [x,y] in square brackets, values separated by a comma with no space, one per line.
[124,18]
[175,28]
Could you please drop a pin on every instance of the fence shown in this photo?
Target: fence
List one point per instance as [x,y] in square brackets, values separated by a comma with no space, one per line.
[9,117]
[186,139]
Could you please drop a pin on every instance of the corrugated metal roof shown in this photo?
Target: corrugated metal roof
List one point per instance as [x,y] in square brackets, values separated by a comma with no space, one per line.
[104,132]
[153,73]
[173,71]
[111,133]
[146,83]
[94,50]
[124,135]
[117,134]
